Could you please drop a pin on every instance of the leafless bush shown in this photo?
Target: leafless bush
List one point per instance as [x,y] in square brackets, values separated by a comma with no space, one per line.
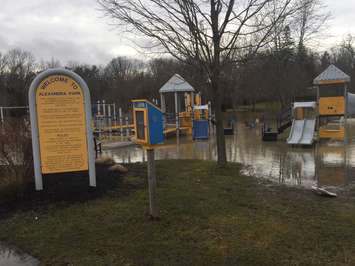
[16,163]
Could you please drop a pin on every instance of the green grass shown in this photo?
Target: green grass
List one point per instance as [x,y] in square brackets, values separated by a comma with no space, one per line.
[209,216]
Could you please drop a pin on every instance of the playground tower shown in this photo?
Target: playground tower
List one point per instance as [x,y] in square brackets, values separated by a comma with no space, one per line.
[332,103]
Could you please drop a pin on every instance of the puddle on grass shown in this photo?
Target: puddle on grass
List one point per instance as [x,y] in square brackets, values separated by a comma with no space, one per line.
[276,161]
[12,257]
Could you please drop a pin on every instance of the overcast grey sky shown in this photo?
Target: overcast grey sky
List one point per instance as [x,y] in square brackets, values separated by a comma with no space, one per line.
[75,30]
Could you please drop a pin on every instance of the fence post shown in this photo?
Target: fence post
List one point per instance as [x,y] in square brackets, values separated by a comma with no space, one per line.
[114,115]
[121,124]
[98,108]
[177,114]
[163,108]
[152,185]
[109,120]
[127,127]
[104,113]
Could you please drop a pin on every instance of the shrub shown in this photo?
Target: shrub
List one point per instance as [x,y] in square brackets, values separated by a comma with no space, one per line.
[16,163]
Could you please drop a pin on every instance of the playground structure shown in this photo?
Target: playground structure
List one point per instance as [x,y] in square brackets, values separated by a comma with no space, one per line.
[303,124]
[108,120]
[193,115]
[332,101]
[327,116]
[190,117]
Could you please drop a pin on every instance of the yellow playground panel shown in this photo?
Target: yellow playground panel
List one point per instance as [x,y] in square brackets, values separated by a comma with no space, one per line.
[332,105]
[185,119]
[336,134]
[191,113]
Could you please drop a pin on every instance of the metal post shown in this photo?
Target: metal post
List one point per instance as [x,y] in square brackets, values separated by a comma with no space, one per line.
[98,118]
[109,120]
[114,114]
[177,114]
[152,185]
[163,108]
[127,127]
[98,108]
[192,103]
[104,108]
[121,124]
[192,99]
[104,122]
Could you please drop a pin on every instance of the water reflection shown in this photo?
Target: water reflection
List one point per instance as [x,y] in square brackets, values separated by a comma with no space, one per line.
[276,161]
[12,257]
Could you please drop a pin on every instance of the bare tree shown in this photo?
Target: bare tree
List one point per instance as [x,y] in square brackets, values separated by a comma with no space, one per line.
[121,68]
[343,56]
[3,63]
[20,62]
[53,63]
[208,34]
[310,20]
[20,68]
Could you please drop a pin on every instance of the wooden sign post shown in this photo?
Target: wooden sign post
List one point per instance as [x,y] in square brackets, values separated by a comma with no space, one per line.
[148,130]
[152,184]
[60,112]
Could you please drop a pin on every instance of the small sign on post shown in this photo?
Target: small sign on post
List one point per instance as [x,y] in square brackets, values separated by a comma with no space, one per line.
[60,112]
[148,130]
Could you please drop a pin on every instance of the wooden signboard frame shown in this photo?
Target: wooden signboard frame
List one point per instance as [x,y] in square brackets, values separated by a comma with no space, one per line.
[67,138]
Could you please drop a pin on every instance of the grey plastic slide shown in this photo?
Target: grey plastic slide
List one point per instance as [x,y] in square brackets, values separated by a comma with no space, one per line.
[296,132]
[302,132]
[308,132]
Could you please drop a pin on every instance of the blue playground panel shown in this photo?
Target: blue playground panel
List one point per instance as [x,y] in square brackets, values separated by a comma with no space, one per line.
[154,123]
[200,129]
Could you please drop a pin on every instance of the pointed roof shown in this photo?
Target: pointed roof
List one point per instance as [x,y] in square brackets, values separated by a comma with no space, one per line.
[331,75]
[176,84]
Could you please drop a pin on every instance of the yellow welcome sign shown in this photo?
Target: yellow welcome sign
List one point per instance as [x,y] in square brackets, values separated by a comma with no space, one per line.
[61,124]
[60,113]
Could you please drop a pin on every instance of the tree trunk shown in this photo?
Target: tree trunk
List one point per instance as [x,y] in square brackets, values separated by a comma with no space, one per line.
[220,139]
[215,83]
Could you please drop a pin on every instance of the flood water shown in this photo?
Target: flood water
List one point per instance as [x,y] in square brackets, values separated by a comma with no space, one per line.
[276,161]
[12,257]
